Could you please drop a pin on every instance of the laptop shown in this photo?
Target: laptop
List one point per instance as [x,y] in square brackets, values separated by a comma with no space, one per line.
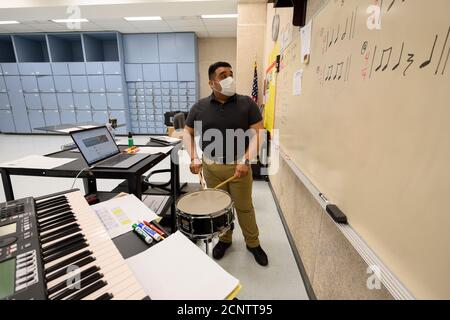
[99,148]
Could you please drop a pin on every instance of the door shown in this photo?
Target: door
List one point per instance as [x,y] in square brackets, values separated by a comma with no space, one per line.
[36,118]
[52,117]
[94,68]
[111,68]
[151,72]
[49,101]
[65,100]
[76,68]
[46,84]
[115,101]
[96,84]
[133,72]
[4,101]
[29,84]
[33,101]
[79,84]
[6,121]
[113,83]
[10,69]
[60,69]
[68,117]
[84,116]
[81,101]
[62,84]
[98,101]
[2,84]
[121,119]
[100,117]
[168,72]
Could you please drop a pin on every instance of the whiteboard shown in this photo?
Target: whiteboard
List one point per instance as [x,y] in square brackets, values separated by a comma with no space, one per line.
[370,128]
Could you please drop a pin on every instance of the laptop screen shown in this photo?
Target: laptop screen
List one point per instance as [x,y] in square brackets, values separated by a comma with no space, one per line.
[95,144]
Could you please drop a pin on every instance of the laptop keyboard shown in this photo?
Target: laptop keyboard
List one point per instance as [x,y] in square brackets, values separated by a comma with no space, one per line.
[116,159]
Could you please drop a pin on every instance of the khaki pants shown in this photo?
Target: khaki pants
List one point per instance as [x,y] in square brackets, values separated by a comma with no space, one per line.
[240,190]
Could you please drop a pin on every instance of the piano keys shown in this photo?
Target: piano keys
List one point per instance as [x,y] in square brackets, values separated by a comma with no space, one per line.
[77,259]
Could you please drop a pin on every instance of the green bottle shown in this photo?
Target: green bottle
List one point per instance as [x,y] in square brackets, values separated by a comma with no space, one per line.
[130,140]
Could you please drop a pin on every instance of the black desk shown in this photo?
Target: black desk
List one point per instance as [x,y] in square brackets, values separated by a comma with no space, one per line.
[133,175]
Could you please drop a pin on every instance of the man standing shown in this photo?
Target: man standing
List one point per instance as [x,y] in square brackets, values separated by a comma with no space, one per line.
[234,121]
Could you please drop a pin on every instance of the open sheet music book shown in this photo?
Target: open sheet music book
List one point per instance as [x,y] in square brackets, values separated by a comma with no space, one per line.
[176,269]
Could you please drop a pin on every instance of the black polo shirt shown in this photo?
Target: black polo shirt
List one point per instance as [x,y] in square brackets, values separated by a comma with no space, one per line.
[238,112]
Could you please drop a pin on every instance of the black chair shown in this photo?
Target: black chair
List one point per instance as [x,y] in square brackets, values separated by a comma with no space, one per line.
[176,119]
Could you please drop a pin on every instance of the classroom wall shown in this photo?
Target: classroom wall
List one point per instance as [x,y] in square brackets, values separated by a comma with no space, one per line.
[333,266]
[250,47]
[211,50]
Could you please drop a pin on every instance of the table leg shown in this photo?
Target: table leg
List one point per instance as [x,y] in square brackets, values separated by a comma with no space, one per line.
[7,186]
[135,186]
[173,193]
[90,185]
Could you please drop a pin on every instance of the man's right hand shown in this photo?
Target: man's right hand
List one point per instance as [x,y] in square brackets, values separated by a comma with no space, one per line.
[195,166]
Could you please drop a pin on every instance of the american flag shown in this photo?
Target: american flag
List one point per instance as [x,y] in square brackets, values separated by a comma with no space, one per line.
[255,85]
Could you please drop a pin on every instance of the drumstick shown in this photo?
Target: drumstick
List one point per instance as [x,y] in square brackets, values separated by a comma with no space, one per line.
[225,182]
[202,183]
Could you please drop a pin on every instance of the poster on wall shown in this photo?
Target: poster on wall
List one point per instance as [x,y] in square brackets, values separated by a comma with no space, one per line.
[270,89]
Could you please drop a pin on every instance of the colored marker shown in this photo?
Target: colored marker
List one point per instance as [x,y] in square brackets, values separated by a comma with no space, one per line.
[150,225]
[150,231]
[142,234]
[160,228]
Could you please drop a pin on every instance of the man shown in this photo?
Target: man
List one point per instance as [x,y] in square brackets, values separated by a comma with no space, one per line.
[228,117]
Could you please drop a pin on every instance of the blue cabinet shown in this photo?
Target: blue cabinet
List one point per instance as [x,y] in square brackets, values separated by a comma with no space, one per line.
[116,101]
[186,44]
[2,84]
[4,101]
[6,121]
[98,101]
[121,119]
[112,68]
[96,83]
[10,69]
[81,101]
[65,100]
[76,68]
[79,84]
[42,69]
[167,45]
[62,84]
[113,83]
[46,84]
[133,72]
[29,84]
[33,101]
[84,116]
[60,69]
[141,48]
[168,72]
[49,101]
[67,116]
[36,118]
[186,72]
[20,114]
[94,68]
[151,72]
[52,117]
[100,117]
[31,69]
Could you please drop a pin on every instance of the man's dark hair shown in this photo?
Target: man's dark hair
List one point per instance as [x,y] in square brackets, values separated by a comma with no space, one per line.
[212,68]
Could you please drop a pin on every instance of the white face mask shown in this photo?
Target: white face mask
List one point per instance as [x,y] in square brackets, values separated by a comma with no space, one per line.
[228,87]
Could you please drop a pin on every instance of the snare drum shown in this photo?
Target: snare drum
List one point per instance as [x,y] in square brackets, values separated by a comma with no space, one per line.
[204,214]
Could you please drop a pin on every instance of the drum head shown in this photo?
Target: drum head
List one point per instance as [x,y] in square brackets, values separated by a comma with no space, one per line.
[204,202]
